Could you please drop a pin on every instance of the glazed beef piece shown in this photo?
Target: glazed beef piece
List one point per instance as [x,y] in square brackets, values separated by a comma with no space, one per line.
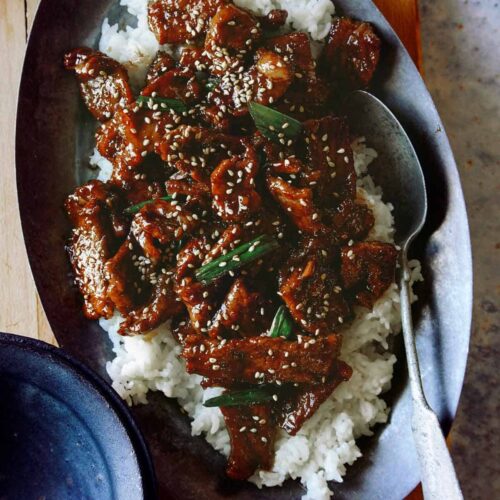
[368,269]
[351,53]
[162,63]
[302,402]
[128,138]
[274,19]
[103,81]
[200,299]
[162,305]
[196,193]
[297,203]
[128,277]
[231,28]
[256,360]
[243,313]
[330,164]
[308,96]
[178,21]
[296,49]
[160,225]
[177,83]
[93,210]
[272,77]
[235,198]
[351,220]
[231,35]
[196,151]
[252,431]
[311,290]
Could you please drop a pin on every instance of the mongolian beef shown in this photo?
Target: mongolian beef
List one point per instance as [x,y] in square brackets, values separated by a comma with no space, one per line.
[232,209]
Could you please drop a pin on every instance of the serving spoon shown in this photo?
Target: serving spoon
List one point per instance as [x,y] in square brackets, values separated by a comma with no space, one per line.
[401,178]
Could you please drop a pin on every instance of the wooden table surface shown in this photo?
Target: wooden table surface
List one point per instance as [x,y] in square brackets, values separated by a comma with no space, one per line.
[20,309]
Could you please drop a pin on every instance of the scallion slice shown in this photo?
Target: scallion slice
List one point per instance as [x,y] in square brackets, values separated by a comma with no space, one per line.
[162,103]
[241,255]
[282,325]
[274,125]
[211,83]
[135,208]
[241,398]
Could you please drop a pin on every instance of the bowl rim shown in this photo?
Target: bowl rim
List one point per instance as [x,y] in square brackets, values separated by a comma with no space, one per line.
[102,390]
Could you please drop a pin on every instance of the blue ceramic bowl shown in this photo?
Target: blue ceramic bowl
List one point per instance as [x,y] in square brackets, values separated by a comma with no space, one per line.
[64,433]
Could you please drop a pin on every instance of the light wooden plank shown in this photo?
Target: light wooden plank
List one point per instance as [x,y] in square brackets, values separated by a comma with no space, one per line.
[17,298]
[31,8]
[20,310]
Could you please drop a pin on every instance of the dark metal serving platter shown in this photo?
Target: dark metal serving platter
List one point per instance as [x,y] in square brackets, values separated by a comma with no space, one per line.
[54,139]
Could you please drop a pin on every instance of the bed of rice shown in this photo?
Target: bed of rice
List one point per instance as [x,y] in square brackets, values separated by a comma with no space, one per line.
[326,444]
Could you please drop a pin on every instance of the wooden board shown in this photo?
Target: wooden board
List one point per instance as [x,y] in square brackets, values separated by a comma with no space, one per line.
[20,308]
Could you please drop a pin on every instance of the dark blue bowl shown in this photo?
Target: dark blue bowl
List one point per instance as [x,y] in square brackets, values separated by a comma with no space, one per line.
[64,433]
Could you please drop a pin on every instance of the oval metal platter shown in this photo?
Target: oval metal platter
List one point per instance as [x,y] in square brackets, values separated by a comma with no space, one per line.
[54,139]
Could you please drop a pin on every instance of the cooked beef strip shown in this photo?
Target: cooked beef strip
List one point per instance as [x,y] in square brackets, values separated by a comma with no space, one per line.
[330,165]
[103,81]
[178,21]
[201,300]
[274,19]
[252,431]
[368,269]
[297,203]
[257,360]
[243,313]
[176,83]
[302,402]
[351,220]
[311,289]
[233,187]
[128,274]
[128,138]
[162,224]
[272,75]
[162,63]
[162,305]
[231,35]
[351,53]
[95,237]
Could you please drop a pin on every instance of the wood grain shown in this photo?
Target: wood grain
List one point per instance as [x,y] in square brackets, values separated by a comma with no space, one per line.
[404,18]
[20,309]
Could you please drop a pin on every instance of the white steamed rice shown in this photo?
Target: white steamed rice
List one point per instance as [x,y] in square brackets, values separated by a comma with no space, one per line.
[326,443]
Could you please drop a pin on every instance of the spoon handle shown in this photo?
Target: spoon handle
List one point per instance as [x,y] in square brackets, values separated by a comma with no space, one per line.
[439,480]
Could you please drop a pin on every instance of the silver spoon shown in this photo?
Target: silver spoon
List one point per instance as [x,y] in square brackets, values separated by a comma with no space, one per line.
[400,176]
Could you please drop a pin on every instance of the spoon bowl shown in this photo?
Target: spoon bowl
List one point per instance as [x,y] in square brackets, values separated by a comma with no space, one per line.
[399,174]
[402,180]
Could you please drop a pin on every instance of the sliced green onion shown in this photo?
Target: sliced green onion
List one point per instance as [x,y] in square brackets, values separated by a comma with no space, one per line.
[241,255]
[282,325]
[241,398]
[211,83]
[135,208]
[274,125]
[163,103]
